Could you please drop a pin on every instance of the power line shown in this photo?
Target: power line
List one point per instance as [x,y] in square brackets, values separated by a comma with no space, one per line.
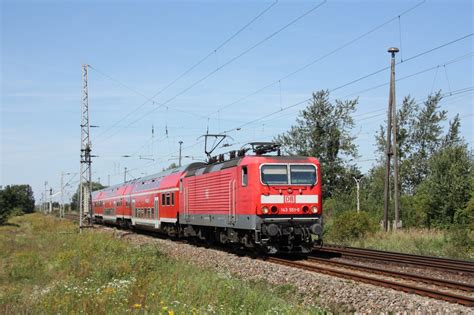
[307,65]
[230,61]
[217,48]
[195,65]
[458,59]
[352,82]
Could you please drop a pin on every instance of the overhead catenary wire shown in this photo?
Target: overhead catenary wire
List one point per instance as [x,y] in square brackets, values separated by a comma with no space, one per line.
[346,84]
[352,81]
[444,96]
[182,75]
[318,59]
[455,60]
[225,64]
[164,158]
[458,59]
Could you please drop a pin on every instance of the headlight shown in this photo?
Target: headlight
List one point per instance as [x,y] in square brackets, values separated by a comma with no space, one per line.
[264,210]
[314,209]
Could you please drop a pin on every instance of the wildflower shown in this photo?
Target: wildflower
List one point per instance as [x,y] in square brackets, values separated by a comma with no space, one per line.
[137,305]
[109,290]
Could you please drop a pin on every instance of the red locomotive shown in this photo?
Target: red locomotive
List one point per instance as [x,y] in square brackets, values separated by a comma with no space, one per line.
[261,201]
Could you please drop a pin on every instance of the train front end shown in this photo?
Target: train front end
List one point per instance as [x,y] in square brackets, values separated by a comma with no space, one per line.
[289,204]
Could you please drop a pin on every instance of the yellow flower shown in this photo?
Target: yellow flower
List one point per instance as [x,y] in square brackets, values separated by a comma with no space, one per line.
[137,305]
[171,312]
[109,290]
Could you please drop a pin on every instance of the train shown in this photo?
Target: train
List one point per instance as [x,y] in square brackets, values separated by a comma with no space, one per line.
[261,201]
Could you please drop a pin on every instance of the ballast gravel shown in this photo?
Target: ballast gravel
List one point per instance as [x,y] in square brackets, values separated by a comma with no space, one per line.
[337,294]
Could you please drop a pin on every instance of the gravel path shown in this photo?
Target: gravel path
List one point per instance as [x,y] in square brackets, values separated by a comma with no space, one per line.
[322,290]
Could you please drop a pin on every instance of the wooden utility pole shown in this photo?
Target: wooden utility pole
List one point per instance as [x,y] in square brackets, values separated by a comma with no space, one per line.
[395,144]
[388,144]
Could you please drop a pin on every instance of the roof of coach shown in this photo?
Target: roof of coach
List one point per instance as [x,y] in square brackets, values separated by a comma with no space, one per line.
[150,181]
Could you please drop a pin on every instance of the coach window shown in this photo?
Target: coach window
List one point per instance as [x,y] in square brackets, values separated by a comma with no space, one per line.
[168,199]
[162,199]
[172,198]
[244,176]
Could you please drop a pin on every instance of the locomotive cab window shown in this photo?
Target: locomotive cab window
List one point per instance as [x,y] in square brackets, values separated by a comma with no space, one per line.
[303,174]
[274,174]
[244,176]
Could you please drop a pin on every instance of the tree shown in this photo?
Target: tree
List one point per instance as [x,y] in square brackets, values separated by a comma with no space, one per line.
[75,197]
[322,130]
[171,166]
[445,193]
[419,136]
[16,197]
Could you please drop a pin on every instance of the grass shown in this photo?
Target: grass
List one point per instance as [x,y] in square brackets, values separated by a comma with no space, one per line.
[46,266]
[455,243]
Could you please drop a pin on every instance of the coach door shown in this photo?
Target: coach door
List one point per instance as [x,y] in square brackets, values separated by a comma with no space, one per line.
[157,212]
[133,211]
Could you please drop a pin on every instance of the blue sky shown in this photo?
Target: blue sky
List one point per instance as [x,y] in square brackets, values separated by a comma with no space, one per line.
[145,45]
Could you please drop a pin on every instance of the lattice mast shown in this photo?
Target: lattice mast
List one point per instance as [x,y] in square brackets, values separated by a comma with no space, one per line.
[85,186]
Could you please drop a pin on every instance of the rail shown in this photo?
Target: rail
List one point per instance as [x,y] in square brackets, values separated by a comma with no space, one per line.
[444,264]
[396,285]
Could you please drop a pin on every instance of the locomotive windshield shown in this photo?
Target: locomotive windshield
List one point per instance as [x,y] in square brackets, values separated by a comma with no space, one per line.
[303,174]
[275,174]
[298,174]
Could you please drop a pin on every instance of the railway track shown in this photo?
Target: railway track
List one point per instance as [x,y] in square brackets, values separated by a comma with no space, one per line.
[445,264]
[391,273]
[411,283]
[439,292]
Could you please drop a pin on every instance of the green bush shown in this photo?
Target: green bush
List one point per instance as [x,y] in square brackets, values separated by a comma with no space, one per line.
[349,226]
[460,241]
[466,216]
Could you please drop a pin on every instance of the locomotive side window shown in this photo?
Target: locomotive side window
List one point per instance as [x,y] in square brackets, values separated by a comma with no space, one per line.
[275,174]
[168,199]
[172,199]
[162,199]
[303,174]
[244,176]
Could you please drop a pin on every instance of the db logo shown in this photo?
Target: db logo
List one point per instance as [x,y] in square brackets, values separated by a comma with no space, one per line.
[289,199]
